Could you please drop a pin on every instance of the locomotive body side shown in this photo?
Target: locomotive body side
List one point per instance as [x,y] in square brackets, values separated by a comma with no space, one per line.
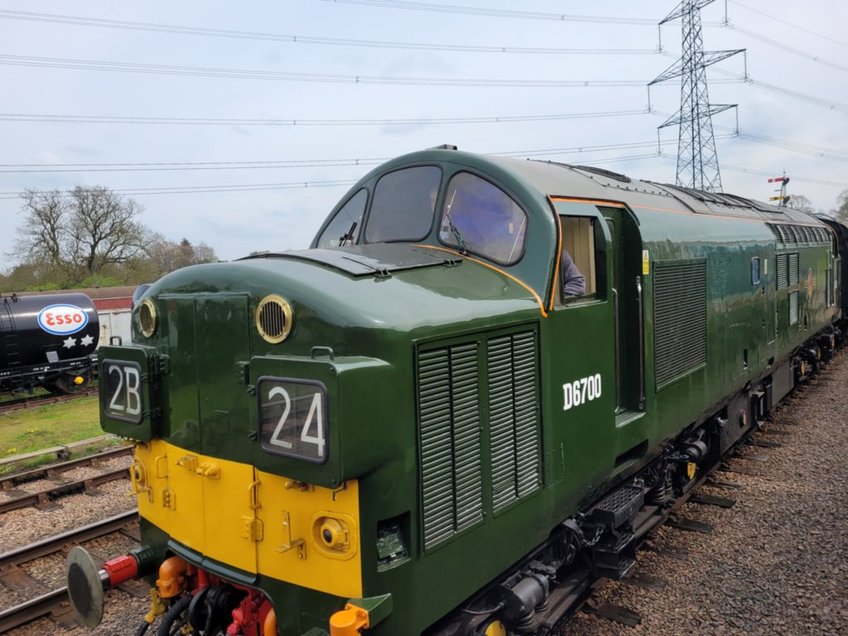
[409,429]
[47,340]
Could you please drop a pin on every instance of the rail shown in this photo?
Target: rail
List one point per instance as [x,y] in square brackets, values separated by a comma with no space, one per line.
[55,602]
[44,498]
[7,482]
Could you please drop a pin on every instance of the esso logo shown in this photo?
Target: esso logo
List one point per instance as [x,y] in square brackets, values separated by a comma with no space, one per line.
[62,319]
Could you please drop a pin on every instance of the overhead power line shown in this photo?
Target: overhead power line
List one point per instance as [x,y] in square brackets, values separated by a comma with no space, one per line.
[795,146]
[770,173]
[780,45]
[181,166]
[249,187]
[804,97]
[253,187]
[176,29]
[580,151]
[771,16]
[241,187]
[432,7]
[798,95]
[231,73]
[786,144]
[185,166]
[243,121]
[165,166]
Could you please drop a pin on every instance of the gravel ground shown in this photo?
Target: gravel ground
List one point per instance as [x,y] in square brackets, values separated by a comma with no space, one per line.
[122,616]
[21,527]
[775,563]
[83,472]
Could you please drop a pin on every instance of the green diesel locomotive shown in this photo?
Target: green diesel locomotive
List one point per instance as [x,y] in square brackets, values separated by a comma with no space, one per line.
[481,386]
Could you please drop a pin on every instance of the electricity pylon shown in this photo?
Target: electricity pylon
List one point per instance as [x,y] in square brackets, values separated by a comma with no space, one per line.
[697,161]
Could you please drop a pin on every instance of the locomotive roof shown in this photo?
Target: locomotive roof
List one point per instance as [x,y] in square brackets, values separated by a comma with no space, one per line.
[560,179]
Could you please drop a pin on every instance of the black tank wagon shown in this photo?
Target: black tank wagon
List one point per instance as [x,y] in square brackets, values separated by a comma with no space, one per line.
[47,341]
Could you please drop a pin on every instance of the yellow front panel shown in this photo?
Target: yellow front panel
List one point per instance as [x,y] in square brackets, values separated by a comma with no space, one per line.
[168,495]
[258,522]
[229,508]
[204,503]
[293,515]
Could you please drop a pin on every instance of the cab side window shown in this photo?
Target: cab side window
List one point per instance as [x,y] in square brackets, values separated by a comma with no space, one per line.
[344,228]
[579,260]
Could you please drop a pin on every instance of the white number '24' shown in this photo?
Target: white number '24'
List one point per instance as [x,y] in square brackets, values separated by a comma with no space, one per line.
[314,418]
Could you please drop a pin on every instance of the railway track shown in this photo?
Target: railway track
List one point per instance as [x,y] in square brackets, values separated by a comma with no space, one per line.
[50,471]
[28,402]
[44,499]
[53,602]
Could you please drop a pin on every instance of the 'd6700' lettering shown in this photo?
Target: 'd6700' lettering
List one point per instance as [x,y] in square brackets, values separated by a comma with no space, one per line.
[581,391]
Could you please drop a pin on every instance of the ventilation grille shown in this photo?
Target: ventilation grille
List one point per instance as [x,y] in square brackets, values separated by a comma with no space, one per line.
[680,324]
[513,417]
[451,416]
[449,441]
[793,308]
[782,271]
[793,269]
[273,318]
[792,234]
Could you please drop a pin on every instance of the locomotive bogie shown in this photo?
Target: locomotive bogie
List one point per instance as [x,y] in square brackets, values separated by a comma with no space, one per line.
[435,424]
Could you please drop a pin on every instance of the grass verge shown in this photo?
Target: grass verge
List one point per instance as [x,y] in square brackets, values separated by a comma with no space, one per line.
[33,429]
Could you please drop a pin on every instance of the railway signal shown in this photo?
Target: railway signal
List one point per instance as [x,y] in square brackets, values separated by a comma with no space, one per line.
[783,197]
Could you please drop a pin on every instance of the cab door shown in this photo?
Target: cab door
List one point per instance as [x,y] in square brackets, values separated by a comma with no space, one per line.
[626,287]
[578,340]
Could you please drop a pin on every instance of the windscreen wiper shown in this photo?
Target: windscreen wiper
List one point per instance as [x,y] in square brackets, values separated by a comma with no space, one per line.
[347,237]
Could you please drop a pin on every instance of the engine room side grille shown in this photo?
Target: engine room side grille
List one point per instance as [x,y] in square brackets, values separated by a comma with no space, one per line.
[793,269]
[449,441]
[680,318]
[782,271]
[793,308]
[513,417]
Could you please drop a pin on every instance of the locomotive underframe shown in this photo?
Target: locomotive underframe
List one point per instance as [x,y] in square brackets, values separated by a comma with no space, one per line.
[53,376]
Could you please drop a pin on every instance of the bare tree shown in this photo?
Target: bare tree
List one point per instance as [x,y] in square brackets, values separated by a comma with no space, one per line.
[801,203]
[165,256]
[77,234]
[841,211]
[43,236]
[103,228]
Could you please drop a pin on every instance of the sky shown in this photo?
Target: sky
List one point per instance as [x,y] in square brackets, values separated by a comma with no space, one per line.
[240,125]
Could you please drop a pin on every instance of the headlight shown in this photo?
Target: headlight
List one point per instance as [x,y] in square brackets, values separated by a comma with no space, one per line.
[148,317]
